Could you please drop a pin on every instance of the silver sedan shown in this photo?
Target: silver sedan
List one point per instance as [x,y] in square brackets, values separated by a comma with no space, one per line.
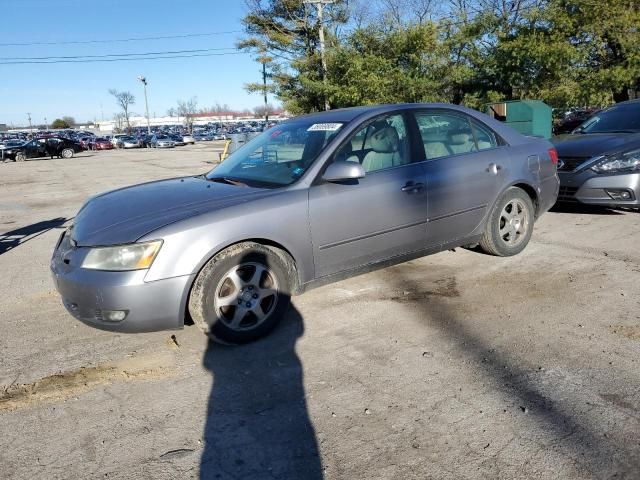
[310,201]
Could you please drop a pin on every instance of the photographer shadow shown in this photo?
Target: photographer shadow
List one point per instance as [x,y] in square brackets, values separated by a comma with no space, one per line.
[257,422]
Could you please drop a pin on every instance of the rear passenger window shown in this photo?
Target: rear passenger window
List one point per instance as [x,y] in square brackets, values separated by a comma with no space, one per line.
[485,137]
[445,134]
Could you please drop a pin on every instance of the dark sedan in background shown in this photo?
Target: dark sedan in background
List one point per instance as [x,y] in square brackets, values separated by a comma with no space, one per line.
[43,147]
[599,164]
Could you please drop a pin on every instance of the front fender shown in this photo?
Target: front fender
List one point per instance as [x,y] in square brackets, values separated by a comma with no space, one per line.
[280,220]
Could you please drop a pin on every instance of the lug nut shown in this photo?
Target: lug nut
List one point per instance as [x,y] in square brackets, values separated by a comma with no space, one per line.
[240,302]
[248,304]
[255,295]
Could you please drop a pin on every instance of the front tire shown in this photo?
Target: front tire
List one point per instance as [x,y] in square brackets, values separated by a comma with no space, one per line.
[242,293]
[510,224]
[20,157]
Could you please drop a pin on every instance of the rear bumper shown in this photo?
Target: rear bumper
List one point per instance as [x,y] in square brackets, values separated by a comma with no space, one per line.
[548,194]
[605,190]
[88,295]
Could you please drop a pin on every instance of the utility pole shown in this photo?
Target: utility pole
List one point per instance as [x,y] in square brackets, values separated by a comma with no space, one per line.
[264,89]
[30,127]
[146,102]
[320,4]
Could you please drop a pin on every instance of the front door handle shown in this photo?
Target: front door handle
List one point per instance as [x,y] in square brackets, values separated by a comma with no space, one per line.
[412,187]
[493,168]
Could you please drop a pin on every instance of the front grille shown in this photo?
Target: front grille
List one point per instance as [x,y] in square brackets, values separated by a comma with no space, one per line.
[569,164]
[567,194]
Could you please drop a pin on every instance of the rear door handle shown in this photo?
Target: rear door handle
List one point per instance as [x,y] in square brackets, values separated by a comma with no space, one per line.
[493,168]
[412,187]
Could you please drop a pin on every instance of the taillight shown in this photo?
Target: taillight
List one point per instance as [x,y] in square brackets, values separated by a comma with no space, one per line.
[553,154]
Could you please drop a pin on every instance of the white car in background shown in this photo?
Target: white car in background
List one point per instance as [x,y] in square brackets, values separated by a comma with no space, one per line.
[116,140]
[188,139]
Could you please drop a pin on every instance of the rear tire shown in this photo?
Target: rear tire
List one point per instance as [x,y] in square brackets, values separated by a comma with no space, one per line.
[66,153]
[20,157]
[242,293]
[510,224]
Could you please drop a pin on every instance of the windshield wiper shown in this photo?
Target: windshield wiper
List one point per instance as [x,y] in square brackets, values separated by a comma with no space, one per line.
[228,180]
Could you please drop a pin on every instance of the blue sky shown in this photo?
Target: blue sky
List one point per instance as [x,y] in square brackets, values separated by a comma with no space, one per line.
[80,89]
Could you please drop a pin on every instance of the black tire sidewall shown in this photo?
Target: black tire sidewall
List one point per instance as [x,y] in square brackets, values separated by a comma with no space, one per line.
[213,272]
[503,249]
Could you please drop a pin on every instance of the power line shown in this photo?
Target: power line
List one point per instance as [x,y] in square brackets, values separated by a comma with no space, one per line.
[59,57]
[121,59]
[133,39]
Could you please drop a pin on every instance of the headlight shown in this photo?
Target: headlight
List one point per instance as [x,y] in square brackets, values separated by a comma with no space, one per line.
[136,256]
[622,162]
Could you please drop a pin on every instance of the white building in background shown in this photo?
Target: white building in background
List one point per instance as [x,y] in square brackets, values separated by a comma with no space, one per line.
[107,126]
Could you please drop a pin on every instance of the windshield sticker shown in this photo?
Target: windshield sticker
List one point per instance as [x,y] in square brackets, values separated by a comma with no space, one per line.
[324,127]
[276,133]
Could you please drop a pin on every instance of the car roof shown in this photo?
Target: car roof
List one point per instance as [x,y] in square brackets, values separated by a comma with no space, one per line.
[627,103]
[351,113]
[347,115]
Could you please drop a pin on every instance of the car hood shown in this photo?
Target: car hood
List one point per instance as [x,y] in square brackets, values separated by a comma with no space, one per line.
[593,144]
[125,215]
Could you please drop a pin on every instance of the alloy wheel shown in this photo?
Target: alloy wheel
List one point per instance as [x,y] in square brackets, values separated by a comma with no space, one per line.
[514,222]
[246,296]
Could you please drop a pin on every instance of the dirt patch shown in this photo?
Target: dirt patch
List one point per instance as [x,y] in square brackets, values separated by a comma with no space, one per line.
[67,384]
[446,287]
[631,332]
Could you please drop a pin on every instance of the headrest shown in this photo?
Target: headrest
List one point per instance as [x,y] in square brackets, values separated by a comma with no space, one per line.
[385,140]
[459,138]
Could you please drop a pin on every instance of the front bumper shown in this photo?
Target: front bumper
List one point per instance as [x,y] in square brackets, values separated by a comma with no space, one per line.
[89,295]
[591,188]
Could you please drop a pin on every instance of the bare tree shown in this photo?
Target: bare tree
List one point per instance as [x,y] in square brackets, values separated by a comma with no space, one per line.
[404,12]
[264,110]
[124,101]
[188,109]
[118,119]
[171,112]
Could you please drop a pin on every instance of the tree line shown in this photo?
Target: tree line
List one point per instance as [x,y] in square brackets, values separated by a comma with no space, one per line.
[564,52]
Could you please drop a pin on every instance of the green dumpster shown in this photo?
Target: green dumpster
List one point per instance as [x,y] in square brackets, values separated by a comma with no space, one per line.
[529,117]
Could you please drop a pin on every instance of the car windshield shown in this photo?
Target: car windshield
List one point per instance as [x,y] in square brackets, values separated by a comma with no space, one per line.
[620,118]
[277,157]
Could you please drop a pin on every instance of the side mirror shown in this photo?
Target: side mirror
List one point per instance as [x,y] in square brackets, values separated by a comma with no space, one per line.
[341,170]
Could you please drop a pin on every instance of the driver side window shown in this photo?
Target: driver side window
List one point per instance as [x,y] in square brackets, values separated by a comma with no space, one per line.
[380,144]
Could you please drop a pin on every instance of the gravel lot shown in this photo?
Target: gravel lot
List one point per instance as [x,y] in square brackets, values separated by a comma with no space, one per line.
[455,366]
